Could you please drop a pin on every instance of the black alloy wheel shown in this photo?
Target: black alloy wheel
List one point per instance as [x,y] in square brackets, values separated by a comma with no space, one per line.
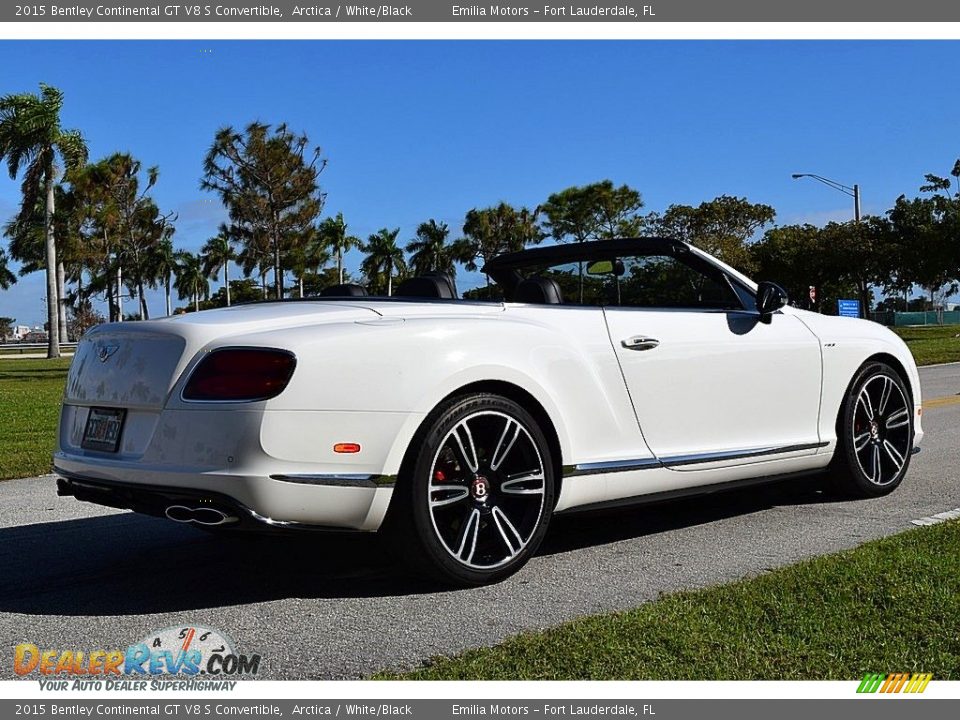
[875,433]
[477,501]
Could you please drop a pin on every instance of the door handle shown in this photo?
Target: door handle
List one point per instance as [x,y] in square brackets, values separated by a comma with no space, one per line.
[640,342]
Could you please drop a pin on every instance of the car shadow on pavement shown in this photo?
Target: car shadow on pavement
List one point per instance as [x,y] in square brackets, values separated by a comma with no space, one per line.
[129,564]
[575,530]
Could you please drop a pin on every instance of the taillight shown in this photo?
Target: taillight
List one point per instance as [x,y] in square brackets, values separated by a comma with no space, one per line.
[235,374]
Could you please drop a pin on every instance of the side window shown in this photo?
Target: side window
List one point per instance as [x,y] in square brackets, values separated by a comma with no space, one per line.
[663,281]
[577,286]
[643,281]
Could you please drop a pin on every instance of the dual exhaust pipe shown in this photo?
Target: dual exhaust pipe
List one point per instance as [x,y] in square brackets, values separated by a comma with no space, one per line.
[208,516]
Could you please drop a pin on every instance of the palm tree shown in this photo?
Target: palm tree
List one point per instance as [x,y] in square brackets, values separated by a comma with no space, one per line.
[192,281]
[383,256]
[218,253]
[317,253]
[27,236]
[333,234]
[164,264]
[430,250]
[7,278]
[308,256]
[31,138]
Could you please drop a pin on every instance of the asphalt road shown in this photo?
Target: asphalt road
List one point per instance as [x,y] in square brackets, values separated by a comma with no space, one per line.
[76,576]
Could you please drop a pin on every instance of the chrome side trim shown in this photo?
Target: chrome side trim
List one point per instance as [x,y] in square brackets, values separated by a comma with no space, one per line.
[696,459]
[338,479]
[614,466]
[597,468]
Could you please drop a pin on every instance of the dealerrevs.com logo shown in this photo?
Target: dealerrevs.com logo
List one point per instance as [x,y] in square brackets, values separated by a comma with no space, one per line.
[894,683]
[182,652]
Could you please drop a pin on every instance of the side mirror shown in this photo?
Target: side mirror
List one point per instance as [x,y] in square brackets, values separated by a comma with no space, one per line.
[770,298]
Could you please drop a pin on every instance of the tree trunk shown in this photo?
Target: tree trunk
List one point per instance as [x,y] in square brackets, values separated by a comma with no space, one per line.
[53,334]
[144,310]
[340,265]
[167,284]
[301,286]
[111,309]
[389,280]
[277,273]
[62,302]
[226,280]
[119,291]
[196,299]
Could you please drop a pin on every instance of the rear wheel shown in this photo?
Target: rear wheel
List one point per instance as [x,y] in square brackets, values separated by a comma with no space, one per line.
[875,433]
[477,499]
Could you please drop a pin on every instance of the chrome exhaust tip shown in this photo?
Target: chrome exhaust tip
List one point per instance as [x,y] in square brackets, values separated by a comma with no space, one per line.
[209,516]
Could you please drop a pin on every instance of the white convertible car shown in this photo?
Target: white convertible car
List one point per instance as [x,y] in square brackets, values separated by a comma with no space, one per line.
[614,371]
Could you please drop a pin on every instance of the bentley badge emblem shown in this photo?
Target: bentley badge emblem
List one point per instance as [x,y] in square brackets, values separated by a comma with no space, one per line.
[105,352]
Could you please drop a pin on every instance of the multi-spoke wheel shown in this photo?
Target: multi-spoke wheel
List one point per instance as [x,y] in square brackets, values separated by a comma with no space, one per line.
[475,504]
[875,433]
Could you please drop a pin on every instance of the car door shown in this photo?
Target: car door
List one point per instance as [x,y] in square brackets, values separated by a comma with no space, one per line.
[710,382]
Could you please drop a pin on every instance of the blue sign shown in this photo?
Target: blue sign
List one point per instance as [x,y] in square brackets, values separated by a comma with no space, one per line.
[848,308]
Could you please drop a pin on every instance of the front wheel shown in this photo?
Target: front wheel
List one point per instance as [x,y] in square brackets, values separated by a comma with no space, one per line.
[477,499]
[874,433]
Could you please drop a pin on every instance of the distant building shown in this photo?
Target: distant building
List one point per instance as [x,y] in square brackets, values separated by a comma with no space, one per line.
[36,335]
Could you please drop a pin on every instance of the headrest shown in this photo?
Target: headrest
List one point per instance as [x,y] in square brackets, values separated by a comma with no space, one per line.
[346,290]
[539,291]
[446,277]
[426,286]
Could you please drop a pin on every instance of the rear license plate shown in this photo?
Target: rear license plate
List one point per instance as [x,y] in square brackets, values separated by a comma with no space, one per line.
[102,431]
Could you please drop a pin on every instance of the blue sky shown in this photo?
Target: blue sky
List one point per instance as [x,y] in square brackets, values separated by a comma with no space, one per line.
[415,130]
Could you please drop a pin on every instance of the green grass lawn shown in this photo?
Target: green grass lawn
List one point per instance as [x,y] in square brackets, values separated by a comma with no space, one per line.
[891,605]
[933,344]
[16,350]
[30,393]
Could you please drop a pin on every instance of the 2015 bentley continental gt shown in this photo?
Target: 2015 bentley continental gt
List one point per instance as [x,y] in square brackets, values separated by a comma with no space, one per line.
[612,371]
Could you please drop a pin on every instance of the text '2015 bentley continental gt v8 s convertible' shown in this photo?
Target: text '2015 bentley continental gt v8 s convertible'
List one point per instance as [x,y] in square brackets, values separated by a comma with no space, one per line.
[609,371]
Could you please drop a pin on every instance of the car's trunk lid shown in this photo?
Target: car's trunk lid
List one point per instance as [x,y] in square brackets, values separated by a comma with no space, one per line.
[136,364]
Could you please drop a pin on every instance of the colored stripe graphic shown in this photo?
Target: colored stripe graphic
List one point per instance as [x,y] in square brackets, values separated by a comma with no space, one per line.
[871,682]
[894,682]
[189,639]
[921,682]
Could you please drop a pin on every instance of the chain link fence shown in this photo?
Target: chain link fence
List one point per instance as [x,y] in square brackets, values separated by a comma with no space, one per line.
[903,319]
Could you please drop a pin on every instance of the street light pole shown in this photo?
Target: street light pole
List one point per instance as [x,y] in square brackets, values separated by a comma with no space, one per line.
[853,192]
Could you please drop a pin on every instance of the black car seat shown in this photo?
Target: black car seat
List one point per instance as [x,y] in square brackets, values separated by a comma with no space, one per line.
[539,291]
[427,286]
[345,290]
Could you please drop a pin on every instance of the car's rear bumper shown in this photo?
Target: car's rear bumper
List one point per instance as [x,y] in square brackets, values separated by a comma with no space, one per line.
[325,502]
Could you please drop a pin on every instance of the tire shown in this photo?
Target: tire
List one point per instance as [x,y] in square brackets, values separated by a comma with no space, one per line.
[475,499]
[874,433]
